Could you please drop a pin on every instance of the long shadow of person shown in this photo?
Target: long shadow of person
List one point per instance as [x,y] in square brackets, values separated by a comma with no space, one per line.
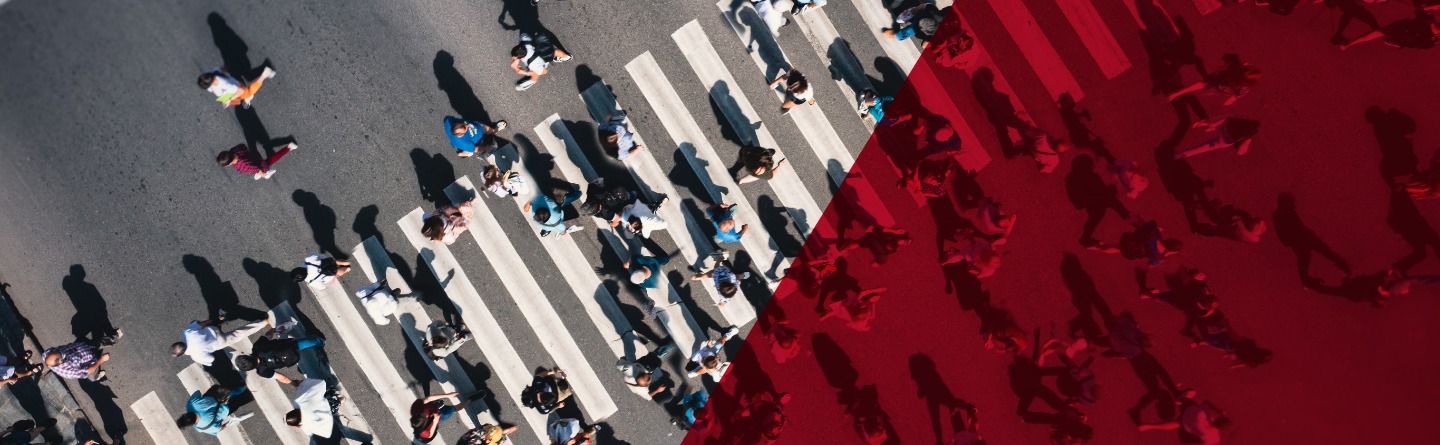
[1026,381]
[1088,191]
[322,221]
[862,404]
[1079,133]
[434,172]
[776,219]
[92,318]
[1160,388]
[524,16]
[932,389]
[1392,130]
[276,287]
[457,89]
[219,294]
[1087,300]
[1293,233]
[1407,221]
[111,416]
[1179,177]
[733,125]
[760,38]
[999,110]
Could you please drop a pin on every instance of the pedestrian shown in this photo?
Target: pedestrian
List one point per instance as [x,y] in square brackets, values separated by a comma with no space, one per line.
[882,242]
[1077,382]
[503,183]
[706,360]
[773,18]
[966,422]
[1127,340]
[14,369]
[209,412]
[315,407]
[532,57]
[1232,223]
[471,138]
[756,163]
[202,339]
[21,432]
[1000,331]
[548,392]
[569,432]
[766,418]
[1233,80]
[857,310]
[1127,175]
[931,177]
[693,415]
[784,340]
[803,6]
[1044,149]
[447,222]
[443,339]
[993,224]
[380,301]
[240,158]
[1229,132]
[270,354]
[953,42]
[639,219]
[966,247]
[644,270]
[872,106]
[722,216]
[427,413]
[1351,10]
[1146,242]
[920,21]
[1200,422]
[319,270]
[616,138]
[647,372]
[797,87]
[231,91]
[78,360]
[606,202]
[549,211]
[1418,32]
[727,283]
[487,434]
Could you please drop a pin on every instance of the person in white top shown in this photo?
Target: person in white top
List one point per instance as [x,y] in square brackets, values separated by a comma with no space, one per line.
[318,271]
[229,90]
[706,360]
[203,338]
[314,413]
[380,301]
[646,372]
[640,219]
[569,432]
[773,18]
[797,89]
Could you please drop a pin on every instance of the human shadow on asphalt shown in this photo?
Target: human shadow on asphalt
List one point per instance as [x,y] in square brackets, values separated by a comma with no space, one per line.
[92,317]
[999,111]
[691,179]
[457,89]
[761,39]
[931,389]
[1078,132]
[724,107]
[1027,382]
[1089,192]
[219,295]
[1178,177]
[524,17]
[1292,232]
[1159,387]
[416,363]
[1406,220]
[1165,77]
[111,416]
[234,54]
[775,217]
[892,76]
[430,287]
[276,287]
[756,290]
[1087,300]
[688,296]
[434,172]
[322,220]
[480,374]
[861,403]
[1393,130]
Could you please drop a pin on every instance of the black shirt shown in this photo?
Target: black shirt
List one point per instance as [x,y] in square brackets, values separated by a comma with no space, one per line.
[271,355]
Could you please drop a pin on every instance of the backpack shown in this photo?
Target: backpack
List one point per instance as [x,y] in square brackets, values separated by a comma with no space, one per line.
[1132,246]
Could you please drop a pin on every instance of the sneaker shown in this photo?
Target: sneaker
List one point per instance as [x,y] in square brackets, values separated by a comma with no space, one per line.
[245,104]
[733,331]
[652,310]
[745,276]
[269,174]
[664,350]
[1244,148]
[785,111]
[499,126]
[525,85]
[101,376]
[292,146]
[268,73]
[573,229]
[564,59]
[544,233]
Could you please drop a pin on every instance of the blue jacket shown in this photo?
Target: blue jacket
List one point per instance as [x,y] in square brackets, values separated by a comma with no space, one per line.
[472,138]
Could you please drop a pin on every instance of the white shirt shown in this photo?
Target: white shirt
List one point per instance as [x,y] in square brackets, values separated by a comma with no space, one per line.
[629,370]
[563,430]
[536,63]
[223,85]
[201,342]
[649,221]
[315,416]
[378,302]
[313,276]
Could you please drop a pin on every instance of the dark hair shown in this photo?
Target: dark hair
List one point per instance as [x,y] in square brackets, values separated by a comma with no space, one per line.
[292,418]
[547,398]
[225,158]
[492,174]
[644,378]
[23,425]
[542,214]
[868,94]
[177,349]
[610,141]
[755,157]
[459,124]
[298,274]
[710,362]
[418,421]
[186,420]
[518,50]
[636,226]
[1173,245]
[795,82]
[1241,129]
[245,363]
[727,289]
[434,228]
[205,80]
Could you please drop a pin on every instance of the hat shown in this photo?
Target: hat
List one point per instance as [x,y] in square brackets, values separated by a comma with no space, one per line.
[639,276]
[492,433]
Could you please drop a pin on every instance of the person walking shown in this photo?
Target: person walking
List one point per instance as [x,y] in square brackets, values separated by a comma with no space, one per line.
[13,369]
[487,434]
[548,212]
[315,407]
[616,138]
[78,360]
[645,270]
[1128,177]
[882,242]
[447,222]
[727,283]
[548,392]
[872,105]
[319,270]
[706,360]
[472,138]
[271,354]
[1199,422]
[380,301]
[920,22]
[773,18]
[506,183]
[803,6]
[240,158]
[570,432]
[1229,132]
[202,339]
[797,88]
[1350,10]
[1044,149]
[606,202]
[722,216]
[1233,80]
[646,372]
[693,415]
[532,57]
[1418,32]
[209,412]
[757,163]
[427,413]
[229,90]
[443,339]
[640,219]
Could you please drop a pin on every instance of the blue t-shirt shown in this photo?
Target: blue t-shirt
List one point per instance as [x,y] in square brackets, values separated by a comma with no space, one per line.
[719,215]
[556,223]
[652,263]
[877,111]
[470,139]
[209,413]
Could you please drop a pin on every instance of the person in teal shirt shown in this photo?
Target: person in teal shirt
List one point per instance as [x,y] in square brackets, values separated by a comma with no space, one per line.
[726,229]
[550,214]
[208,412]
[645,270]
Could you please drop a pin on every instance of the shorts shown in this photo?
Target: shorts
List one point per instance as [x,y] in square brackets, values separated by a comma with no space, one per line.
[446,412]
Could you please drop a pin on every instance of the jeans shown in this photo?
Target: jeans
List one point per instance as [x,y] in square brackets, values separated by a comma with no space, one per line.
[307,343]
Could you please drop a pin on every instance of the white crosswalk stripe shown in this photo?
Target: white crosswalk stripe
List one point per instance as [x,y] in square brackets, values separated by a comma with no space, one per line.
[158,421]
[1098,39]
[1036,48]
[904,54]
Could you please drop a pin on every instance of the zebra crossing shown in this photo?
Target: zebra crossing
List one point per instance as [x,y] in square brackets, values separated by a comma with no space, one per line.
[604,316]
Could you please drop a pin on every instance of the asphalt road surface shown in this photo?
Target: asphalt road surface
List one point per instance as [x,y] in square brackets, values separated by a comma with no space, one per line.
[111,198]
